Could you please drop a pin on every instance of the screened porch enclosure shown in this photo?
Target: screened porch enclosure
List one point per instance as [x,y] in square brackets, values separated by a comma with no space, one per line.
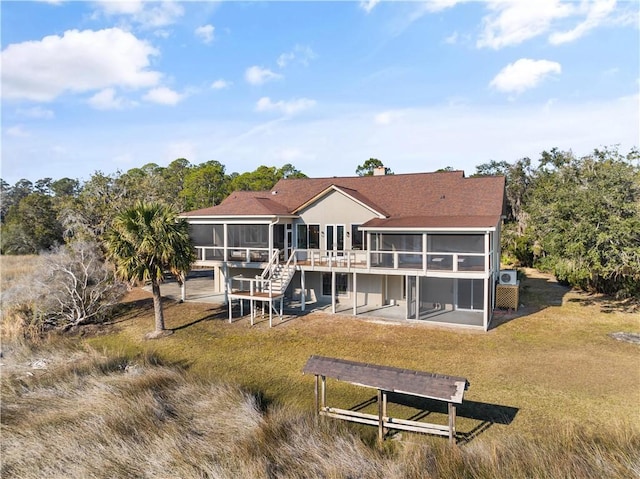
[437,298]
[436,252]
[244,242]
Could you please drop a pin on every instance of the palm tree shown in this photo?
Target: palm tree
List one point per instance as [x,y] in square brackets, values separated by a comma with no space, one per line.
[146,240]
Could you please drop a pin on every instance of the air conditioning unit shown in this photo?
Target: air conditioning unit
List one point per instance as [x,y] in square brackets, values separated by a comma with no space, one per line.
[508,276]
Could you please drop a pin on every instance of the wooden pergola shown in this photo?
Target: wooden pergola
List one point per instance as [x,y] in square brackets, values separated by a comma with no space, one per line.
[386,379]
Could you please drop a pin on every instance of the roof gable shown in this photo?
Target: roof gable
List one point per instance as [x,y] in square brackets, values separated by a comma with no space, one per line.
[349,193]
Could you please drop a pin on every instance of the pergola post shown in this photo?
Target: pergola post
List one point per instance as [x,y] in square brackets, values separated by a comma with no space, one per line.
[380,417]
[452,423]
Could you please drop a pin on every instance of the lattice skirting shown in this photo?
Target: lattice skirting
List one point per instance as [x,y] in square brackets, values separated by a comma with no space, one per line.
[507,296]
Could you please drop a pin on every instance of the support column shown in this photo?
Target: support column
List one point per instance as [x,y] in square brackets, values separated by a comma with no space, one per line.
[452,423]
[316,394]
[417,296]
[485,303]
[225,278]
[303,292]
[384,410]
[333,292]
[380,414]
[355,294]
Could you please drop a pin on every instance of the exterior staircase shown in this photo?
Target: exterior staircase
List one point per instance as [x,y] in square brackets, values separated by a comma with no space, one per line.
[278,276]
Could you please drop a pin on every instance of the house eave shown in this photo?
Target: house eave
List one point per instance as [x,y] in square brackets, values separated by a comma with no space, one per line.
[430,229]
[236,219]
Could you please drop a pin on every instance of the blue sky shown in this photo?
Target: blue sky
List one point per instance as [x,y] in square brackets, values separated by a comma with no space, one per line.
[111,85]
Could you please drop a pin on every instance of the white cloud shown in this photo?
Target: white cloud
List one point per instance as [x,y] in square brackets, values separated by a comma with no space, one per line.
[369,5]
[286,107]
[511,23]
[36,112]
[439,5]
[119,7]
[221,84]
[302,54]
[163,96]
[597,12]
[285,58]
[153,14]
[17,131]
[205,33]
[107,100]
[386,117]
[79,61]
[256,75]
[524,74]
[452,39]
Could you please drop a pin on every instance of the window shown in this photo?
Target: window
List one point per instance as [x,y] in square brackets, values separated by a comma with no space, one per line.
[342,282]
[358,238]
[308,236]
[314,236]
[301,234]
[278,237]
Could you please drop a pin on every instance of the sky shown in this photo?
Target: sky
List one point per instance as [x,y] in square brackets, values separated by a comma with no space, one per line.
[112,85]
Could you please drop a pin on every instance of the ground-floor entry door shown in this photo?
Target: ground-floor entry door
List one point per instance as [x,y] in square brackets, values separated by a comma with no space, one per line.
[411,298]
[470,294]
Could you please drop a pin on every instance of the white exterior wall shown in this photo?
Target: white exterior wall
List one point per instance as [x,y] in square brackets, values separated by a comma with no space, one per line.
[335,208]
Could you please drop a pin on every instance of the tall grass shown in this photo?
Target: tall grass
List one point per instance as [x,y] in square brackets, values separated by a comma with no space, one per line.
[14,324]
[89,415]
[13,267]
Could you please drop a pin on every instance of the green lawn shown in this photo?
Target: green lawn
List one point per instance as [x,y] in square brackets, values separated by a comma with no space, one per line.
[552,364]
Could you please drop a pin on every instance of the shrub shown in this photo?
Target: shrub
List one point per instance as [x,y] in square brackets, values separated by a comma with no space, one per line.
[70,286]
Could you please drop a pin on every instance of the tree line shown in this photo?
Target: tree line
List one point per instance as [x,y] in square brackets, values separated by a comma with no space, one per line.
[576,217]
[37,216]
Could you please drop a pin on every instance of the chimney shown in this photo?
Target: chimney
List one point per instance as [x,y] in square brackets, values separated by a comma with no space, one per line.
[379,171]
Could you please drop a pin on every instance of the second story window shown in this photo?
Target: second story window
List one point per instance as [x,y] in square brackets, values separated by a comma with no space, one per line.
[358,238]
[308,236]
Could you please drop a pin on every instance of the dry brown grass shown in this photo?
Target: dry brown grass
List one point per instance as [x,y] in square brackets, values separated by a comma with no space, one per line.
[552,395]
[14,267]
[89,415]
[553,364]
[13,325]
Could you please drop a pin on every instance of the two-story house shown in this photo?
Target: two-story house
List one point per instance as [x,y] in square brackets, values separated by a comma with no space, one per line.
[422,247]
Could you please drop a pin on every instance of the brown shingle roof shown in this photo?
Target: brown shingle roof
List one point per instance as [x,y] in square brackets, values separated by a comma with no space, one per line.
[244,203]
[418,199]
